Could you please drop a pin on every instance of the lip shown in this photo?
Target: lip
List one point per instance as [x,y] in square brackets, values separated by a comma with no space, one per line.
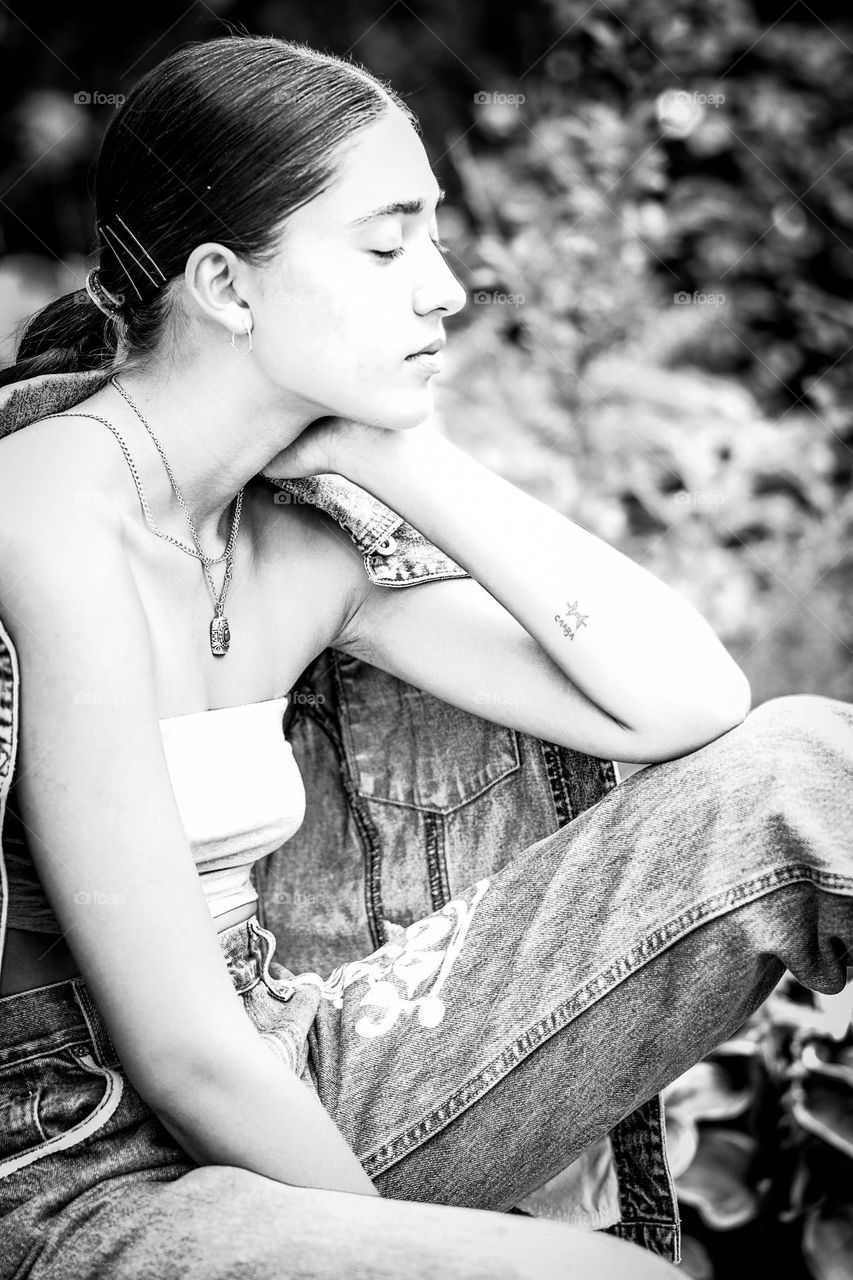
[431,349]
[430,362]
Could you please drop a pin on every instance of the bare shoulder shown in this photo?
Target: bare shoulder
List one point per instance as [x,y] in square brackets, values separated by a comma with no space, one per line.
[54,470]
[61,541]
[64,574]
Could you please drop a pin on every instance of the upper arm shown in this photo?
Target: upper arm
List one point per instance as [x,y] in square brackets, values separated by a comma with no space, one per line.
[103,825]
[453,639]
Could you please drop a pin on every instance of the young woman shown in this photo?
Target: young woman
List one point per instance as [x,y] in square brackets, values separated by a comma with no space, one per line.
[270,302]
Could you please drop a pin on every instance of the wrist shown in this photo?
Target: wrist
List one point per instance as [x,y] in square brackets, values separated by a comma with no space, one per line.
[386,462]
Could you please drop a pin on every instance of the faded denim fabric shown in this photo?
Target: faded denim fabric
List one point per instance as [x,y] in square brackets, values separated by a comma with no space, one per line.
[459,896]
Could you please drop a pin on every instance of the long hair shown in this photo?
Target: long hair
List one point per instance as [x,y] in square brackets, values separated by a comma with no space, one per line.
[219,142]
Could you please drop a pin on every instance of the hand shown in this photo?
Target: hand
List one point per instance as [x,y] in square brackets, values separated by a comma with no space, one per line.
[314,450]
[348,448]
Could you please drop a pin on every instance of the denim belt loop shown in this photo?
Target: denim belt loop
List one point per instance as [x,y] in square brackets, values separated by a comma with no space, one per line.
[105,1050]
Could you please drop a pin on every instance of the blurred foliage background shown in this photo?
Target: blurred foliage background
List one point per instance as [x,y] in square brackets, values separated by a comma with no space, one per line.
[651,206]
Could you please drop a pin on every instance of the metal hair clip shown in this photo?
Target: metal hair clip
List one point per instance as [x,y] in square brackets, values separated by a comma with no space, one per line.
[110,234]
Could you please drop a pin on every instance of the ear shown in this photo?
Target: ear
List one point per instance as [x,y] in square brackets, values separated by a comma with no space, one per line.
[213,277]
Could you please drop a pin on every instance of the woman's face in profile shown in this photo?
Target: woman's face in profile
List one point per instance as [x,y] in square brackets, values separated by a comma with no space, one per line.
[334,319]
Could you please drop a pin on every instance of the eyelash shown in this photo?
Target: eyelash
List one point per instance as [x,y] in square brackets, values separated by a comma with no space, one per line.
[388,254]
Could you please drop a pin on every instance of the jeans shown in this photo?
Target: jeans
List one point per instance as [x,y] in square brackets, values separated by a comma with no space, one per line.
[475,1055]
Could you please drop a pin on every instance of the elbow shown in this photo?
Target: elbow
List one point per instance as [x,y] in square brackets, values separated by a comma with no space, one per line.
[218,1069]
[193,1105]
[173,1090]
[182,1085]
[742,698]
[723,702]
[696,724]
[732,701]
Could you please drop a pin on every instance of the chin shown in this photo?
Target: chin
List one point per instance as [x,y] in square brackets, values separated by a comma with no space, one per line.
[387,413]
[404,417]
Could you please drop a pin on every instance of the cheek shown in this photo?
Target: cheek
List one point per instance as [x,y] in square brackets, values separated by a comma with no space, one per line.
[354,345]
[353,300]
[340,331]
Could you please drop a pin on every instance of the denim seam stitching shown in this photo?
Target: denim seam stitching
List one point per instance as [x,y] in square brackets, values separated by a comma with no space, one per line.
[98,1031]
[436,861]
[660,1173]
[398,1146]
[35,1094]
[557,782]
[45,1046]
[10,676]
[413,579]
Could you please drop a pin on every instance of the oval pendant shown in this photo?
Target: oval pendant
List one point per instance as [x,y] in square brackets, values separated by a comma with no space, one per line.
[220,635]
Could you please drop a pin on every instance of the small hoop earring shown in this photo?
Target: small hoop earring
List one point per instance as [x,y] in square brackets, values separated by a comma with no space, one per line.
[250,347]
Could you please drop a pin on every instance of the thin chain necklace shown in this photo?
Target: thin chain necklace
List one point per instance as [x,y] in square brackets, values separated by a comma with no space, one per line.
[220,631]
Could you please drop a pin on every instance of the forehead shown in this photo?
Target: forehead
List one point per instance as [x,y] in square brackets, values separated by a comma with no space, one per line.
[382,163]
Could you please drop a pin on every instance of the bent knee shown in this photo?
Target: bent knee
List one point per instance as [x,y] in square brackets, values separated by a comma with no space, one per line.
[798,723]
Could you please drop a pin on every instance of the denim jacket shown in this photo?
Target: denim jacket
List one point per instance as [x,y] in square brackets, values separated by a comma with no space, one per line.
[409,800]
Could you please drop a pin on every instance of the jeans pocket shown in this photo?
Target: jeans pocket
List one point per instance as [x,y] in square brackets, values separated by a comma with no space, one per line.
[52,1102]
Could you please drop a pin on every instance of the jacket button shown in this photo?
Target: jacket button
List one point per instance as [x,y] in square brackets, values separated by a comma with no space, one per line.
[386,546]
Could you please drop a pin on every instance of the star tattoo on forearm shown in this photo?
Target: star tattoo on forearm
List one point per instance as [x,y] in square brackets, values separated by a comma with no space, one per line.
[571,612]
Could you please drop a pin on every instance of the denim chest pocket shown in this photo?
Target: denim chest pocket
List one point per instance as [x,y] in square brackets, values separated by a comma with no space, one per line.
[52,1102]
[409,748]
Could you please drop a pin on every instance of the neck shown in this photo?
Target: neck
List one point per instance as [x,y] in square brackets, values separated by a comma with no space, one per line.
[217,432]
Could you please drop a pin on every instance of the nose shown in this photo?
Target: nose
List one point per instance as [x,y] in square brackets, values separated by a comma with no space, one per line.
[441,292]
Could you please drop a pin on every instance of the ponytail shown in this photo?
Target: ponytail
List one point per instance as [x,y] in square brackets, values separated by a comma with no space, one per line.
[68,335]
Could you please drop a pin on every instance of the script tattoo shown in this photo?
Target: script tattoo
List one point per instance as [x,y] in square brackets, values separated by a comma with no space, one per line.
[571,612]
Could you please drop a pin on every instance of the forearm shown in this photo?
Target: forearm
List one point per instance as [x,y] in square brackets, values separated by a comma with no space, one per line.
[634,646]
[250,1111]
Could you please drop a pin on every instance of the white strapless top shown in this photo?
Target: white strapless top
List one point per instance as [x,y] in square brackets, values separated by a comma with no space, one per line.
[239,792]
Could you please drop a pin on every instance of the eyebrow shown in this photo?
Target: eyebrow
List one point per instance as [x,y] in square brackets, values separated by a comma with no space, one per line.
[398,206]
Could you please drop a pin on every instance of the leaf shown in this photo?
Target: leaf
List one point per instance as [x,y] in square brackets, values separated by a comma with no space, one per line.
[716,1184]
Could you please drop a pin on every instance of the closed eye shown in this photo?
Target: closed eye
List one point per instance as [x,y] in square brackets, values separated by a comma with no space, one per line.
[388,254]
